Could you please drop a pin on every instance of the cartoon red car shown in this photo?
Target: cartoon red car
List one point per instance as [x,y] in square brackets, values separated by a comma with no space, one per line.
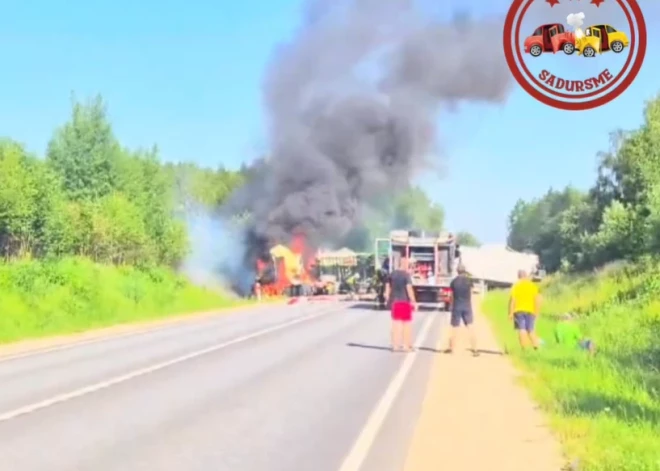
[550,38]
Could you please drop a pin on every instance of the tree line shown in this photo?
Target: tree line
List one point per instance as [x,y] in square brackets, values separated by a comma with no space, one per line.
[91,196]
[618,218]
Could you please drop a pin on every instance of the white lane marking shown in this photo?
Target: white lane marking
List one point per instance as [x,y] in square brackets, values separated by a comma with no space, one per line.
[123,335]
[151,369]
[367,437]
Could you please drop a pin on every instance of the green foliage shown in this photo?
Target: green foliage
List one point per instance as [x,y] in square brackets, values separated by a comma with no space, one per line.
[467,239]
[605,409]
[74,294]
[84,151]
[619,218]
[535,225]
[120,209]
[91,197]
[414,209]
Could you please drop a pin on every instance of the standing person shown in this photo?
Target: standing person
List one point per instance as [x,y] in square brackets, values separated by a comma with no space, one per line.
[381,282]
[461,309]
[524,306]
[401,298]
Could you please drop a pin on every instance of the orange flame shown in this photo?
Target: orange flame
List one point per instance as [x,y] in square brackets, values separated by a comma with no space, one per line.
[297,244]
[282,283]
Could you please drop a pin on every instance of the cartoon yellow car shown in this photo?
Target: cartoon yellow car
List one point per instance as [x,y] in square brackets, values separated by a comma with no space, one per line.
[589,42]
[610,38]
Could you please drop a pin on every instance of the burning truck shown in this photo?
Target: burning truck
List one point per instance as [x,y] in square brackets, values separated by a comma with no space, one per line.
[284,270]
[295,270]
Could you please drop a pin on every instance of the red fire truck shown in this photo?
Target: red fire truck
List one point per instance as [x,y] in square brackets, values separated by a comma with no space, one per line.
[433,260]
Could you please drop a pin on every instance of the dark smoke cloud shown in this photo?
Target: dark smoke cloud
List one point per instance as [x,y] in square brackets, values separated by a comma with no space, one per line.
[351,103]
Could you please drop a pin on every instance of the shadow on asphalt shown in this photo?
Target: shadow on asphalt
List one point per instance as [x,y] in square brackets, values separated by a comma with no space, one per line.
[363,305]
[421,349]
[479,350]
[432,350]
[375,307]
[490,352]
[369,347]
[388,349]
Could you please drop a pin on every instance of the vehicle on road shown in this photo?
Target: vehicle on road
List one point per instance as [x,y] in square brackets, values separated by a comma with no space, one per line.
[610,38]
[332,270]
[433,260]
[550,38]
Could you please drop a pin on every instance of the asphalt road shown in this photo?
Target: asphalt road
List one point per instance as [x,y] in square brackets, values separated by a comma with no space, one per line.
[308,387]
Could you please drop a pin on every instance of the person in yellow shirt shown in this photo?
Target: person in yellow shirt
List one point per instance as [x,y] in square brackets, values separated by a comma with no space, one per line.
[524,305]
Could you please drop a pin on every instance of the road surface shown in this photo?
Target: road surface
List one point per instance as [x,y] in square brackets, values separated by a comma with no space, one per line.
[276,388]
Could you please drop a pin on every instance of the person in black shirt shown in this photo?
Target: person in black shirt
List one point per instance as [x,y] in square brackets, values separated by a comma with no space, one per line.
[461,309]
[401,298]
[386,265]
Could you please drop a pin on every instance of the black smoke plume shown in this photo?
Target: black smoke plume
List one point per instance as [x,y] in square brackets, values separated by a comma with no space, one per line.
[351,102]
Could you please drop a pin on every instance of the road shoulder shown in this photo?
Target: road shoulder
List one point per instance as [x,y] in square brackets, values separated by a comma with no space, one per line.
[476,415]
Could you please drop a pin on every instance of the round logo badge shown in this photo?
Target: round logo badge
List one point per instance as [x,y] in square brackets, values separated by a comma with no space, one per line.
[575,54]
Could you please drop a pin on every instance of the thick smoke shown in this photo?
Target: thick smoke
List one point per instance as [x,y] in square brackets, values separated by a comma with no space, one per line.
[351,103]
[207,265]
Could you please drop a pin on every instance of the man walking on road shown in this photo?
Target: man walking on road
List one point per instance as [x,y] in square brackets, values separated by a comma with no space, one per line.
[524,306]
[401,298]
[461,309]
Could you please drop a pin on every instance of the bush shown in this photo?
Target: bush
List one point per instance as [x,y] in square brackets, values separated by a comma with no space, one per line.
[39,298]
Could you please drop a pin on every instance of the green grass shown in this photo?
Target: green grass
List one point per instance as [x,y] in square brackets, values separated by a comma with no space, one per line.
[605,409]
[39,299]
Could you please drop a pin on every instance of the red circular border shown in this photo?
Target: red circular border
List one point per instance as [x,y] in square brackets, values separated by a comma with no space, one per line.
[566,105]
[622,72]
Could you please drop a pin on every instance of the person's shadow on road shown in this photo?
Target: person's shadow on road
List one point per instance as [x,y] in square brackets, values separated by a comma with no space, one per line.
[490,352]
[389,349]
[369,347]
[422,349]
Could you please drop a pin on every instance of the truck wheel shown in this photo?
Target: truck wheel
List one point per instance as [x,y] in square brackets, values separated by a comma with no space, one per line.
[569,48]
[536,50]
[617,46]
[589,52]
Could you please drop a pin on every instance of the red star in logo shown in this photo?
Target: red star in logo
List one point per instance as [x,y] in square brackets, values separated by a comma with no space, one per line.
[556,2]
[597,2]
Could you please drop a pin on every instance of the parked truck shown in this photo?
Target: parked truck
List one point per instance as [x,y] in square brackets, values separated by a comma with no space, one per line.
[433,261]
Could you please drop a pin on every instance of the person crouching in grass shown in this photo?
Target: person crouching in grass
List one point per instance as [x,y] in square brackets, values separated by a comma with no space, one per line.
[524,306]
[568,334]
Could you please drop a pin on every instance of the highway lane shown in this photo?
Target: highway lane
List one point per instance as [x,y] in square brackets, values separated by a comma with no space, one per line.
[277,388]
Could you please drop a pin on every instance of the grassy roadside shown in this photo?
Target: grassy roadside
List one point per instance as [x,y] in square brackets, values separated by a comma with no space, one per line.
[606,409]
[39,299]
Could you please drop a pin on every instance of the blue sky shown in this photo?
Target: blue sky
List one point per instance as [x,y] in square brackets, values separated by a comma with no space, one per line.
[187,75]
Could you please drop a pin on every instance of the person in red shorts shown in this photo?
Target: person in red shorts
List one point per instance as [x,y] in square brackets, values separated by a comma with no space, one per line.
[401,298]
